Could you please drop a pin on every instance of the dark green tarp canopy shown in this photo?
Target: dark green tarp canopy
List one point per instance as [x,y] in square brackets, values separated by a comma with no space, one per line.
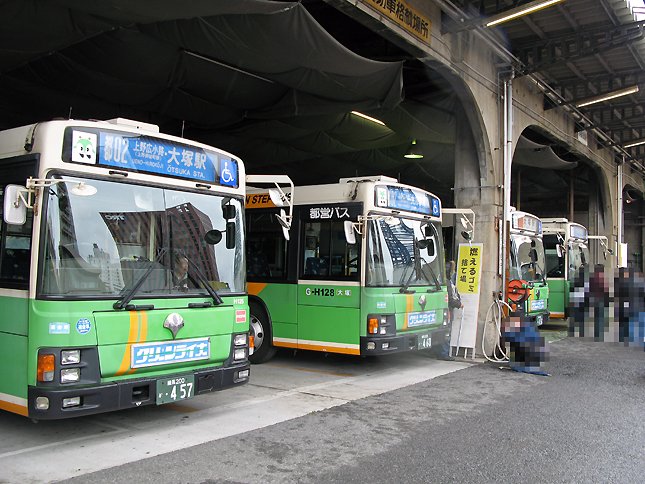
[260,78]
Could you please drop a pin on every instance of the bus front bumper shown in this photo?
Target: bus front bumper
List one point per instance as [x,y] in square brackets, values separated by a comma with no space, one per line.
[380,345]
[120,395]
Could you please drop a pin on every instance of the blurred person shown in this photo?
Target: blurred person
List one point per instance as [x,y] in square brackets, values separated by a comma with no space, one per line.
[578,303]
[454,302]
[528,349]
[599,300]
[624,291]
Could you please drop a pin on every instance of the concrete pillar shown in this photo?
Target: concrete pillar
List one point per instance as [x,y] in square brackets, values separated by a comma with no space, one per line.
[484,200]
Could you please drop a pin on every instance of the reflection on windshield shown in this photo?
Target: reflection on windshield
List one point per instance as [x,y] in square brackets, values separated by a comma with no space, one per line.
[101,245]
[391,257]
[524,265]
[578,257]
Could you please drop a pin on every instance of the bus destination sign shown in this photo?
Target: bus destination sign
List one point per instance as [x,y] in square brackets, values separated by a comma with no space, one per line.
[526,222]
[146,154]
[578,232]
[408,199]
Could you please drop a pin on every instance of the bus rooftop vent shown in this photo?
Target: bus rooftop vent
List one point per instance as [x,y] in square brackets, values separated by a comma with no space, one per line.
[368,179]
[153,128]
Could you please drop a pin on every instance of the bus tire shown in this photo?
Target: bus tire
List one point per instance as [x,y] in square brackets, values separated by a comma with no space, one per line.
[262,333]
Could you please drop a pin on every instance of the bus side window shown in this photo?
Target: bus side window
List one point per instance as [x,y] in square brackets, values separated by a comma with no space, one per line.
[326,253]
[266,246]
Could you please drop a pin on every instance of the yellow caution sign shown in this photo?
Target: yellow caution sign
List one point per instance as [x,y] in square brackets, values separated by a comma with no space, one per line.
[469,268]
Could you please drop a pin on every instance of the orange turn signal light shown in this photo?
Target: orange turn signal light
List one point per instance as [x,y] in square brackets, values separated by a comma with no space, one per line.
[46,366]
[372,325]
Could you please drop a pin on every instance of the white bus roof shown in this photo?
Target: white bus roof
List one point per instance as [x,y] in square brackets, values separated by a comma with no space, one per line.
[347,190]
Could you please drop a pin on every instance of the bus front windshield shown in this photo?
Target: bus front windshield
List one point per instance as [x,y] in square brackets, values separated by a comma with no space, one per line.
[527,258]
[403,253]
[578,257]
[102,238]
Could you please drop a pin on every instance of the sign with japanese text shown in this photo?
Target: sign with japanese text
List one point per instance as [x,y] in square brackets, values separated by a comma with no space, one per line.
[408,199]
[405,16]
[317,213]
[145,154]
[469,268]
[169,352]
[464,322]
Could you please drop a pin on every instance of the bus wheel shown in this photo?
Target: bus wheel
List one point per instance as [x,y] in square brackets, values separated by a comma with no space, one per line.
[261,331]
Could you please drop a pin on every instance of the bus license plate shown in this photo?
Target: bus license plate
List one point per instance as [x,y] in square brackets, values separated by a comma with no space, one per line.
[175,388]
[424,341]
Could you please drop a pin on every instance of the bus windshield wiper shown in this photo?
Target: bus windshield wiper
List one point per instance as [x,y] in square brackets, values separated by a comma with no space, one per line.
[437,285]
[404,288]
[204,282]
[127,297]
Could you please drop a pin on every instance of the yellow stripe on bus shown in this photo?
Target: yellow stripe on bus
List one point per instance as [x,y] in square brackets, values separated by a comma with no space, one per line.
[143,331]
[329,349]
[132,336]
[14,407]
[409,306]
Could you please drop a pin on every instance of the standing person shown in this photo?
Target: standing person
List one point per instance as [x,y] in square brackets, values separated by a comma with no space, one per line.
[637,311]
[454,302]
[599,299]
[578,303]
[624,285]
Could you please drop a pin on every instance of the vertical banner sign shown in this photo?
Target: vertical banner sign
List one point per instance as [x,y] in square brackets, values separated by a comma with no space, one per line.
[464,325]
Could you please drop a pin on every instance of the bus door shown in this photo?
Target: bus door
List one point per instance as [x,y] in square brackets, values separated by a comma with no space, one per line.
[328,283]
[556,276]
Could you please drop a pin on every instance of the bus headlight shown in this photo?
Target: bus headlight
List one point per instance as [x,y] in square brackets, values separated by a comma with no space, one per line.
[240,339]
[42,403]
[239,354]
[70,375]
[70,357]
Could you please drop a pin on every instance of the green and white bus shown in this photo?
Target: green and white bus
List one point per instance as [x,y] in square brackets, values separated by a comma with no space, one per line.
[567,251]
[363,273]
[100,219]
[527,289]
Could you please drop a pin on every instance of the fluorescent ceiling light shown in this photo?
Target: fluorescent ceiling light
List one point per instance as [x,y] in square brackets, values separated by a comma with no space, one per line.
[607,96]
[636,142]
[369,118]
[520,11]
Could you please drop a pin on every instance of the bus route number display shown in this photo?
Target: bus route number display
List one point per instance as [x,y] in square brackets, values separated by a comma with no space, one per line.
[146,154]
[408,199]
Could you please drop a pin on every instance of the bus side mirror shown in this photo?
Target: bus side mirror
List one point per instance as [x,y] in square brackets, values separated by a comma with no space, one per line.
[350,235]
[276,197]
[533,255]
[558,250]
[15,205]
[427,244]
[284,221]
[229,212]
[230,235]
